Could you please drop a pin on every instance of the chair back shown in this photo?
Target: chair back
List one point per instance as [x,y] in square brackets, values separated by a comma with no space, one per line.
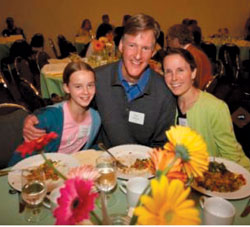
[11,124]
[52,45]
[229,54]
[210,49]
[65,46]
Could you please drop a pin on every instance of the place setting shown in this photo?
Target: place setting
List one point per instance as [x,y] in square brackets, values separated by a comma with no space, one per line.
[34,180]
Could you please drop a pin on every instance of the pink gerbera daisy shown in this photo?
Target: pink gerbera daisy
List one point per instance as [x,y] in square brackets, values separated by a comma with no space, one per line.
[87,172]
[75,202]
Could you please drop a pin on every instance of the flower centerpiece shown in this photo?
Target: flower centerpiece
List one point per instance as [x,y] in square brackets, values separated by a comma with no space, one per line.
[185,156]
[77,195]
[103,47]
[165,201]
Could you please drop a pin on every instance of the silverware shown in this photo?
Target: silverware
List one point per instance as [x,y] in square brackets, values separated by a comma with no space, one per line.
[105,217]
[118,163]
[7,171]
[246,211]
[21,203]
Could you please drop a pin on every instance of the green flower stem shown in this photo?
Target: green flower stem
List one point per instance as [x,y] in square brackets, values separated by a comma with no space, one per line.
[147,190]
[165,171]
[97,219]
[53,167]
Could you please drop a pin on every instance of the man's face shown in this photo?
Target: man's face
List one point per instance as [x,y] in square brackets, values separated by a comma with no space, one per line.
[10,23]
[173,42]
[136,52]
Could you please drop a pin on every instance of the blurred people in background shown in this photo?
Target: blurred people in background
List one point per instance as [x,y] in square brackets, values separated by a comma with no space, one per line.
[38,53]
[247,29]
[12,29]
[118,32]
[86,30]
[179,36]
[193,26]
[103,25]
[105,19]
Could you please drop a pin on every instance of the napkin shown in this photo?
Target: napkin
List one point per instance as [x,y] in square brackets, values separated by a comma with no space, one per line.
[54,69]
[87,157]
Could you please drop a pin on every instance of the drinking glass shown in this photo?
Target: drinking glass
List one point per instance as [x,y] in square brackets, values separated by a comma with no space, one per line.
[106,182]
[33,192]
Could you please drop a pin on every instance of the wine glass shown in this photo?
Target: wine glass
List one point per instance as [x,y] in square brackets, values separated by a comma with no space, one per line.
[33,192]
[106,182]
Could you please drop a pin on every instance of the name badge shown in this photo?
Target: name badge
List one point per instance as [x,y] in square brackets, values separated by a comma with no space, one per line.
[183,121]
[83,131]
[136,117]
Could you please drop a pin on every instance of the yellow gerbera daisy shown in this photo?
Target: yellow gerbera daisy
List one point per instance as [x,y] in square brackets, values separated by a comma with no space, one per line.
[168,205]
[190,147]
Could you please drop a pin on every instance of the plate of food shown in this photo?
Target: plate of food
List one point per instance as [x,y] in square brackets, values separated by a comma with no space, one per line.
[135,157]
[62,162]
[225,179]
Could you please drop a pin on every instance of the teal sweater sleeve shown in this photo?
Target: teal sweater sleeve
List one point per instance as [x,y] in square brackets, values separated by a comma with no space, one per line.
[51,119]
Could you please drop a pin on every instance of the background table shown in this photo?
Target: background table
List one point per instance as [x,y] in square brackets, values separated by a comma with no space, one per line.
[242,44]
[5,44]
[51,74]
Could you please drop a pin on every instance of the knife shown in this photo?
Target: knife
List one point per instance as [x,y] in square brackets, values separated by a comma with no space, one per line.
[21,203]
[246,211]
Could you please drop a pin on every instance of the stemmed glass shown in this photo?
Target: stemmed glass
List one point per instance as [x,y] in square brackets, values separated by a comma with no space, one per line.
[33,192]
[106,182]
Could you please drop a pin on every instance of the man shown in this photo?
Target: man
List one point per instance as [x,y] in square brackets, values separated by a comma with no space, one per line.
[103,26]
[12,29]
[134,103]
[179,36]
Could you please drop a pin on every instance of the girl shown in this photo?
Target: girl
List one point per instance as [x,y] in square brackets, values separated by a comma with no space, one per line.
[199,110]
[75,122]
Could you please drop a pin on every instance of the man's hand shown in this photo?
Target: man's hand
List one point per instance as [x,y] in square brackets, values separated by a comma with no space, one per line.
[30,132]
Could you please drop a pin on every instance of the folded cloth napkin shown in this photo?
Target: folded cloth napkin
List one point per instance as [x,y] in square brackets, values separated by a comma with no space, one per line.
[87,157]
[54,69]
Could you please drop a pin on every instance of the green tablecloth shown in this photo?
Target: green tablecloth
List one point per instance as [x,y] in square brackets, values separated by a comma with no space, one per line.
[9,214]
[4,50]
[50,85]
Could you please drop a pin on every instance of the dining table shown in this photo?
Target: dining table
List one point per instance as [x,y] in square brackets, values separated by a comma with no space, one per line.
[81,42]
[243,45]
[51,74]
[10,208]
[5,44]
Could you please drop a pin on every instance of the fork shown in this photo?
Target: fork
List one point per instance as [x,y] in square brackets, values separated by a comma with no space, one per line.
[118,163]
[246,211]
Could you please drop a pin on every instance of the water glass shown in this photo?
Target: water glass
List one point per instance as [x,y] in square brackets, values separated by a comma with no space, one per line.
[33,192]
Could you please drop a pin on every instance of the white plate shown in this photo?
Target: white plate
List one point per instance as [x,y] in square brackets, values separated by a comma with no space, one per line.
[129,153]
[65,162]
[243,192]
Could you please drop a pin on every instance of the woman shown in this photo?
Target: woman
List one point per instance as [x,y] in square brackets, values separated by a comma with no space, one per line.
[200,110]
[85,29]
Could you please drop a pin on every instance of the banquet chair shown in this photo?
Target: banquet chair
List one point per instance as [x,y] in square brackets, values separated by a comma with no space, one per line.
[22,91]
[65,46]
[38,53]
[229,54]
[210,49]
[53,47]
[11,124]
